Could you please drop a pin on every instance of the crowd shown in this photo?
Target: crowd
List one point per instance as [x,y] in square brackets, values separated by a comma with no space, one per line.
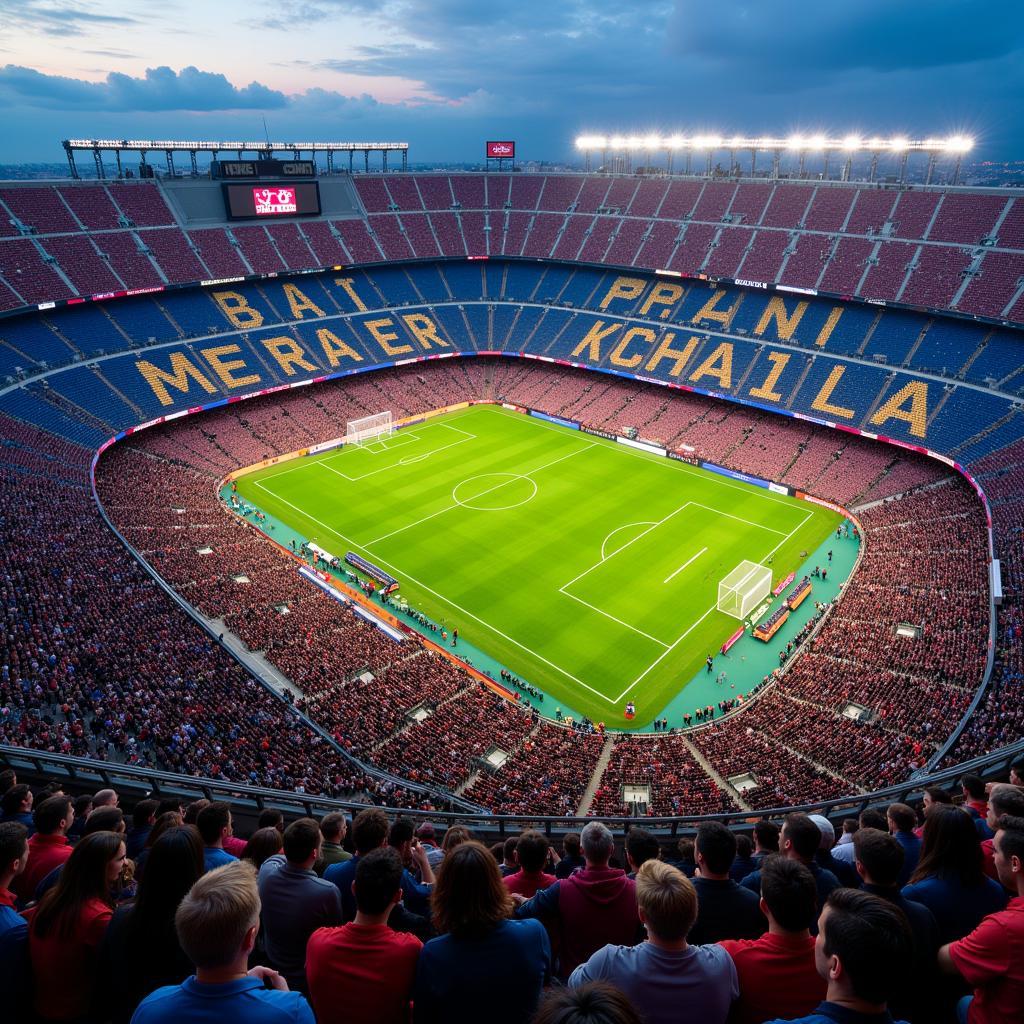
[166,914]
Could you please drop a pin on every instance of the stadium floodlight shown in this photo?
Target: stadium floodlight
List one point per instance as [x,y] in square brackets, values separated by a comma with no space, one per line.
[592,142]
[618,142]
[876,143]
[677,141]
[737,142]
[852,142]
[959,144]
[795,142]
[653,142]
[899,144]
[817,141]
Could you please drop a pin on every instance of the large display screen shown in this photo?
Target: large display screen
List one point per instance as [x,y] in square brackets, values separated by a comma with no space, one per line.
[294,199]
[501,150]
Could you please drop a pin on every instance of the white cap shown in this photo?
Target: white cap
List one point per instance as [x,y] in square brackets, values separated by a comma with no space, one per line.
[828,833]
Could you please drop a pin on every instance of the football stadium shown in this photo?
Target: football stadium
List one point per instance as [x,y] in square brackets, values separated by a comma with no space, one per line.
[668,499]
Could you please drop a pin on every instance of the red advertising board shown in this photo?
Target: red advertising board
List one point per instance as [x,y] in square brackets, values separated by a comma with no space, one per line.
[274,201]
[501,150]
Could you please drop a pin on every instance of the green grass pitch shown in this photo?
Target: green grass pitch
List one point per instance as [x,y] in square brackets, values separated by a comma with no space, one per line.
[585,567]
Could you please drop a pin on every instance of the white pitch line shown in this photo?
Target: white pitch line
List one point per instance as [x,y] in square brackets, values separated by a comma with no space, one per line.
[608,615]
[689,561]
[445,600]
[739,519]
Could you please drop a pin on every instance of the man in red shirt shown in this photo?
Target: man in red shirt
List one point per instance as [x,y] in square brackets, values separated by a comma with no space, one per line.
[777,974]
[49,847]
[363,972]
[991,958]
[530,856]
[1002,799]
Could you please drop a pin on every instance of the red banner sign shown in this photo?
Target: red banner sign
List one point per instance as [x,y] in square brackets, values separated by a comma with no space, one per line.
[736,636]
[782,584]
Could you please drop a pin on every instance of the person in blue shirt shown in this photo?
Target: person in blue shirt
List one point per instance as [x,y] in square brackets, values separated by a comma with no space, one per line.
[214,824]
[217,923]
[14,965]
[16,805]
[862,951]
[902,821]
[369,831]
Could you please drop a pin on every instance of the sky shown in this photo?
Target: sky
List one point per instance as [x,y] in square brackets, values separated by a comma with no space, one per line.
[445,75]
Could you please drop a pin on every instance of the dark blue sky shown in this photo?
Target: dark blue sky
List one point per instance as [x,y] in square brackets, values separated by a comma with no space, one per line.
[446,74]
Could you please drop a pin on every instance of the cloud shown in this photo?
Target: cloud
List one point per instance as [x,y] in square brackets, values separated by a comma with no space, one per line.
[161,89]
[58,17]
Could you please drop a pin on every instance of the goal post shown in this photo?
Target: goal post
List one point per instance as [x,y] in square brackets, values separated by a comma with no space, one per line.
[369,428]
[744,589]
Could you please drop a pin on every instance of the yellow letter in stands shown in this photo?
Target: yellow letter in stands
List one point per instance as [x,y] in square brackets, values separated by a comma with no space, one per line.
[618,353]
[709,312]
[662,294]
[785,323]
[383,338]
[597,333]
[237,309]
[767,391]
[334,347]
[666,351]
[347,283]
[224,367]
[181,369]
[623,288]
[298,301]
[917,415]
[717,365]
[288,354]
[424,330]
[821,400]
[830,325]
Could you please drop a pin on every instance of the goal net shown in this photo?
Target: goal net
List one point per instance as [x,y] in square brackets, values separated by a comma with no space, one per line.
[744,589]
[369,428]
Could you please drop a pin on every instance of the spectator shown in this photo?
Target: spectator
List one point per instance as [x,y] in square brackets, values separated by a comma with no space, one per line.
[902,822]
[263,844]
[105,819]
[428,840]
[49,847]
[143,820]
[1002,799]
[416,893]
[641,846]
[972,789]
[192,811]
[165,821]
[593,907]
[686,850]
[725,909]
[369,830]
[363,972]
[572,859]
[850,826]
[217,924]
[83,808]
[16,805]
[105,798]
[481,958]
[1017,773]
[271,817]
[766,840]
[743,863]
[333,827]
[843,871]
[932,797]
[949,879]
[14,967]
[800,839]
[531,856]
[777,973]
[507,862]
[879,863]
[140,950]
[455,835]
[594,1003]
[990,957]
[869,818]
[66,928]
[665,972]
[862,952]
[214,824]
[295,901]
[8,778]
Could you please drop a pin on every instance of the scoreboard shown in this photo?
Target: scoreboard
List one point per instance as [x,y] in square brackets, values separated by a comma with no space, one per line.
[272,200]
[235,169]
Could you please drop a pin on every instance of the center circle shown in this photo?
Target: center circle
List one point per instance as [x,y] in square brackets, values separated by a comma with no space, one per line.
[494,492]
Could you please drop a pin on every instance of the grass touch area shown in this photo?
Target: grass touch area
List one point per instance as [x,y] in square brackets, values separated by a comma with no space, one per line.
[587,568]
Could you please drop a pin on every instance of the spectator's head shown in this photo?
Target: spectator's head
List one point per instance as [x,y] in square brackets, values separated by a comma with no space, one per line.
[8,778]
[641,847]
[425,833]
[934,796]
[369,830]
[715,849]
[863,949]
[973,787]
[901,818]
[174,865]
[263,844]
[105,819]
[686,848]
[469,899]
[850,825]
[1004,799]
[1017,772]
[333,827]
[193,810]
[105,798]
[1008,846]
[666,901]
[378,883]
[144,814]
[872,818]
[766,837]
[271,817]
[17,800]
[214,823]
[950,847]
[54,816]
[597,844]
[169,819]
[532,851]
[302,841]
[827,830]
[455,836]
[789,894]
[83,807]
[88,874]
[508,851]
[744,847]
[596,1002]
[799,837]
[571,844]
[13,851]
[218,920]
[879,857]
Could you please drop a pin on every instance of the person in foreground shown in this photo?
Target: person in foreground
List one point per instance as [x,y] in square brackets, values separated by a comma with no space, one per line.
[593,1003]
[217,924]
[483,959]
[991,958]
[862,951]
[665,973]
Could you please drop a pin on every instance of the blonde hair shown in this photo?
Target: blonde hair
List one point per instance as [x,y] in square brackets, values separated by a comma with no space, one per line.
[667,898]
[213,919]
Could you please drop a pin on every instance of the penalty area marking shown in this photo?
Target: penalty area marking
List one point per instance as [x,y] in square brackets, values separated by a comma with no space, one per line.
[689,561]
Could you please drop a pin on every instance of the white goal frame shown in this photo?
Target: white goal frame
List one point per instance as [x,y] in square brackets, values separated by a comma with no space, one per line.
[744,589]
[367,429]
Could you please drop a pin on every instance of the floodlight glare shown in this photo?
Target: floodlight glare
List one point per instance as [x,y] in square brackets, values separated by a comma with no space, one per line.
[653,142]
[817,142]
[618,142]
[795,142]
[852,142]
[677,142]
[899,144]
[876,143]
[959,144]
[736,142]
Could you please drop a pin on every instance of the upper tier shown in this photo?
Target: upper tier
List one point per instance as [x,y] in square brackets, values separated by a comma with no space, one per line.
[956,250]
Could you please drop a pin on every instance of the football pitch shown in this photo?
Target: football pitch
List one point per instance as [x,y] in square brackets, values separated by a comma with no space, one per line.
[585,567]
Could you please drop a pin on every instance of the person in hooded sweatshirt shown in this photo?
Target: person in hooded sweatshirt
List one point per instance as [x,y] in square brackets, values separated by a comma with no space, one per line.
[592,908]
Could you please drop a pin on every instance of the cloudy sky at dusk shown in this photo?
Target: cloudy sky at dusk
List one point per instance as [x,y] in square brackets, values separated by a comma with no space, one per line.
[446,74]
